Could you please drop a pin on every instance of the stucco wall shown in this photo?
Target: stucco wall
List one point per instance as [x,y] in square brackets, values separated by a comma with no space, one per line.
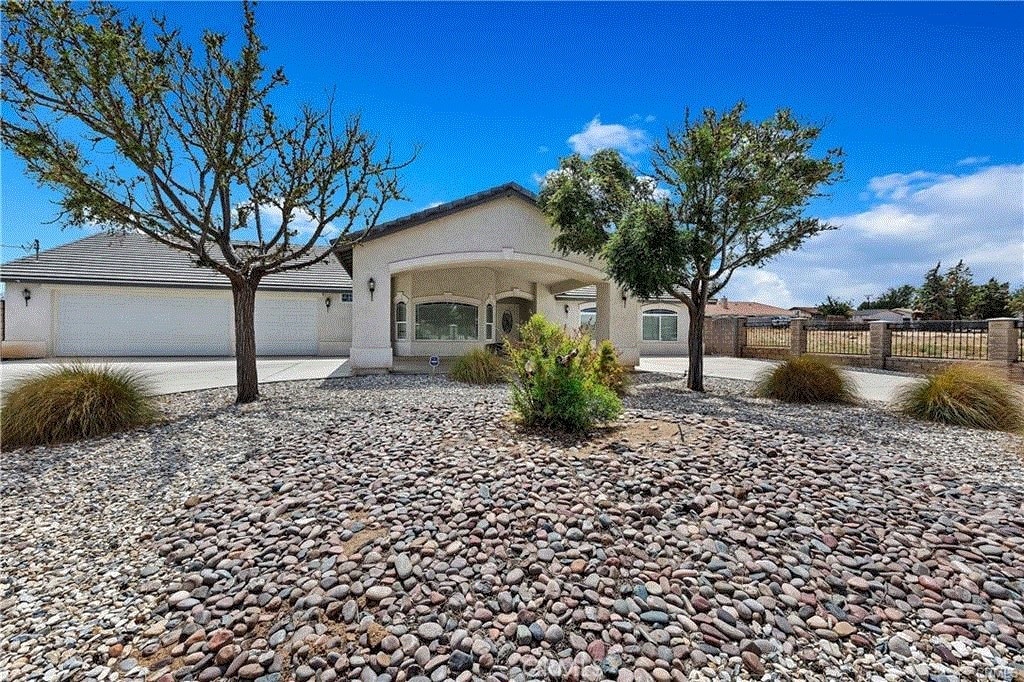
[508,235]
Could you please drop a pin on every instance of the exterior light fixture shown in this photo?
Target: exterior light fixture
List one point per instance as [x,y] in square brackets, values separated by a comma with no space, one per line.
[567,309]
[623,299]
[327,301]
[371,285]
[27,294]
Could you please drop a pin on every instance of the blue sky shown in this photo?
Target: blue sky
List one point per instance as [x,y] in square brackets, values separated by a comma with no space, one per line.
[924,98]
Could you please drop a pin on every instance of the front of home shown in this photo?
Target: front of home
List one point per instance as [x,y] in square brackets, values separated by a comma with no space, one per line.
[438,282]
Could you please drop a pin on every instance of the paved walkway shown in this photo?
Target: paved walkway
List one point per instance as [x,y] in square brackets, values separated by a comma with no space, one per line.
[174,375]
[871,385]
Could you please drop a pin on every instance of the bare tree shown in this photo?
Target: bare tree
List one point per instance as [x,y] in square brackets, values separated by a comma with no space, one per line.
[136,131]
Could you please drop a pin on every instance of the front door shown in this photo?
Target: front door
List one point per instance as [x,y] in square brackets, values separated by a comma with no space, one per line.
[507,321]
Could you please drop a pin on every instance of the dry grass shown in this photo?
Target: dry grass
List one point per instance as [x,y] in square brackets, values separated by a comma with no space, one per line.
[806,379]
[964,395]
[479,366]
[74,402]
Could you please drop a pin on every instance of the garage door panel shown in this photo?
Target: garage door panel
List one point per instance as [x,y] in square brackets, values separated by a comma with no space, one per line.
[286,326]
[116,324]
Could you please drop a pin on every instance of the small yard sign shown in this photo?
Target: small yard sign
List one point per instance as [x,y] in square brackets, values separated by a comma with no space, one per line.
[434,361]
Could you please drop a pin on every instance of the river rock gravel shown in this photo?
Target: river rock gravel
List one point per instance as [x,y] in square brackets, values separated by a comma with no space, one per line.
[403,528]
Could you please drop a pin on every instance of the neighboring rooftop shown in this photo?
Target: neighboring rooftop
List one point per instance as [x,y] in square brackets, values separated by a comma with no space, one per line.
[724,307]
[135,259]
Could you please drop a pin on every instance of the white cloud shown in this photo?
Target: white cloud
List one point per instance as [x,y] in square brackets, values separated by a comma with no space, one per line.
[301,221]
[432,204]
[913,221]
[597,136]
[764,286]
[974,160]
[542,150]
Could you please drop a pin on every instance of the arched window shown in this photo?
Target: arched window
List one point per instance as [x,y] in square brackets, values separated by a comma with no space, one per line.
[661,325]
[489,322]
[588,319]
[446,322]
[401,321]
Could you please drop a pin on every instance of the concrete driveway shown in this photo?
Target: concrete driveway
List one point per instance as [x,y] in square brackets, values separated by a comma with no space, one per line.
[173,375]
[871,385]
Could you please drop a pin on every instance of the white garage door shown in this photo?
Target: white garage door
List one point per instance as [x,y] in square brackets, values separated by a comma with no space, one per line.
[127,324]
[286,326]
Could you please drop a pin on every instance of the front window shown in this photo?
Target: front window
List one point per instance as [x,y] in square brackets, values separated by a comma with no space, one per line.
[588,319]
[489,322]
[446,322]
[661,325]
[401,321]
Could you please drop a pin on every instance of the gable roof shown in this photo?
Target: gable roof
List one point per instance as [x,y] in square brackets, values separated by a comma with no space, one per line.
[135,259]
[509,189]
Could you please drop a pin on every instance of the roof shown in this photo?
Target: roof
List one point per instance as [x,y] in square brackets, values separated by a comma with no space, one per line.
[811,310]
[509,189]
[723,307]
[134,259]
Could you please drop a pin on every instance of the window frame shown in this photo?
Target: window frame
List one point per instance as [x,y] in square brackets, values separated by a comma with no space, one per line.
[401,323]
[659,314]
[489,321]
[475,336]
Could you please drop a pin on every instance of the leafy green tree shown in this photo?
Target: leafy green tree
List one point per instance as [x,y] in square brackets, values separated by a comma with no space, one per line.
[138,131]
[736,195]
[961,290]
[991,299]
[833,307]
[894,297]
[933,295]
[1017,302]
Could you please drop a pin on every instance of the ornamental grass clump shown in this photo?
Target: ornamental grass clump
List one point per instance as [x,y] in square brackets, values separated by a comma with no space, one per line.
[74,402]
[965,396]
[479,366]
[609,369]
[555,380]
[806,379]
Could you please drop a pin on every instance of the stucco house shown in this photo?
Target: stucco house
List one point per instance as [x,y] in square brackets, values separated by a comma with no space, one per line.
[437,282]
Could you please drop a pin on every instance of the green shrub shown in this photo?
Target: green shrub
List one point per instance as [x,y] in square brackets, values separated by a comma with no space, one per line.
[479,366]
[806,379]
[73,402]
[964,396]
[609,370]
[555,382]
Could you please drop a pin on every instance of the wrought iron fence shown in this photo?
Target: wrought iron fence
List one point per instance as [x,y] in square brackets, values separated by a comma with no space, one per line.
[765,334]
[838,337]
[945,339]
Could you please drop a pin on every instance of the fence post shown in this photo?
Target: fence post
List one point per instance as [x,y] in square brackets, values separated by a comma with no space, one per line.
[1002,340]
[881,343]
[797,336]
[740,335]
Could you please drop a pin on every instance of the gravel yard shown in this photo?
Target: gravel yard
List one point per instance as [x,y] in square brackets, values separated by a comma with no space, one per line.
[399,528]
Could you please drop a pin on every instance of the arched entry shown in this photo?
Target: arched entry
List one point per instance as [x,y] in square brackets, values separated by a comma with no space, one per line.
[511,311]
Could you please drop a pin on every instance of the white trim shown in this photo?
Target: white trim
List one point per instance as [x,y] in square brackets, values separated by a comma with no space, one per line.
[514,293]
[503,257]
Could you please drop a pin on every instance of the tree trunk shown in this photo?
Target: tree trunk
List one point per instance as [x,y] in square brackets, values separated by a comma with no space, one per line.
[695,336]
[244,294]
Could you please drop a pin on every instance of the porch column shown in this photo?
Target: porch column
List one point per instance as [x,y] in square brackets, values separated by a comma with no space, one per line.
[618,320]
[546,305]
[371,321]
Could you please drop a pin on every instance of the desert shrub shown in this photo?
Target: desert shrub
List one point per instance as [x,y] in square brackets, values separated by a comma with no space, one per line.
[964,396]
[609,370]
[479,366]
[806,379]
[554,379]
[73,402]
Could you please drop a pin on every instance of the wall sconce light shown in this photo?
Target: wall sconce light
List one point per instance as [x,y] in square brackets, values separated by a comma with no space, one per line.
[327,301]
[27,294]
[623,299]
[567,309]
[371,285]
